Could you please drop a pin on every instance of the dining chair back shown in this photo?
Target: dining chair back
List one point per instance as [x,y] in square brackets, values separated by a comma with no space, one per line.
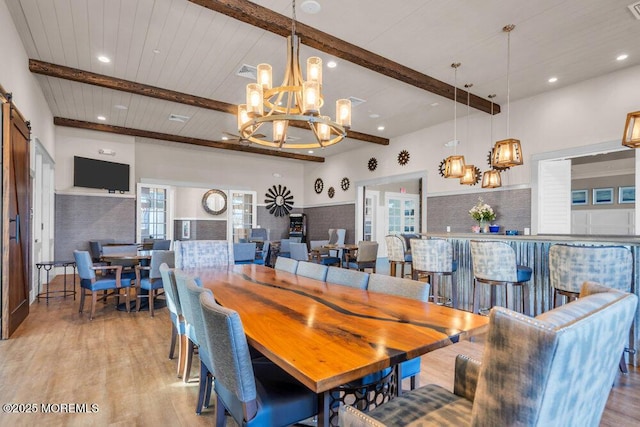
[189,293]
[366,256]
[110,280]
[346,277]
[153,282]
[286,264]
[244,253]
[299,251]
[192,254]
[397,254]
[178,332]
[161,245]
[312,270]
[95,248]
[264,254]
[259,234]
[528,375]
[285,250]
[254,392]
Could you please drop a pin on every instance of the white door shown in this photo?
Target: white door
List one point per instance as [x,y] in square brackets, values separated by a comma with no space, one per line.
[154,212]
[402,213]
[554,197]
[242,215]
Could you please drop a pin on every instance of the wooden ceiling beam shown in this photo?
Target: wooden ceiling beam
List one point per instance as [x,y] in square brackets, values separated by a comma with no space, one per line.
[87,77]
[262,17]
[101,127]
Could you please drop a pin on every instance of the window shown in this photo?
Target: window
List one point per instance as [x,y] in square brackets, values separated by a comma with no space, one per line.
[242,216]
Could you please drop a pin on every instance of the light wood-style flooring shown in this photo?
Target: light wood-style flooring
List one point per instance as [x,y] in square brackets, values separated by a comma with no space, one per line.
[119,362]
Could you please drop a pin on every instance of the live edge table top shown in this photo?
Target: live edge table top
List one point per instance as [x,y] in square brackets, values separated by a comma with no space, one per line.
[326,335]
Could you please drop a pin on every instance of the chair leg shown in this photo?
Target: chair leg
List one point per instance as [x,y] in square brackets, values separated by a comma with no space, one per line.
[414,382]
[151,298]
[454,291]
[127,291]
[187,361]
[94,302]
[476,297]
[138,298]
[434,279]
[82,296]
[392,268]
[174,336]
[202,387]
[526,303]
[623,364]
[183,343]
[221,420]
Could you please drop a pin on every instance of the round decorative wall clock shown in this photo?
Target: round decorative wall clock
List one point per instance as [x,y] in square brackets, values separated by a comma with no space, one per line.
[344,184]
[318,186]
[279,200]
[331,192]
[403,157]
[373,164]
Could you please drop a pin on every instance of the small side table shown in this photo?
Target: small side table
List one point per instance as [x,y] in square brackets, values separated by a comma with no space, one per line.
[48,265]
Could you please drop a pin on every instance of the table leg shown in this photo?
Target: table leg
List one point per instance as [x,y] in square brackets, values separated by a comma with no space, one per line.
[324,402]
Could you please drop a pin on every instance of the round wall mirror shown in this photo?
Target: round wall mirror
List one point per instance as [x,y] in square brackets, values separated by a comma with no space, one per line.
[214,202]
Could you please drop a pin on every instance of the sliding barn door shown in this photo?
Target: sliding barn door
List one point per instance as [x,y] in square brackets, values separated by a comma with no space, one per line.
[16,209]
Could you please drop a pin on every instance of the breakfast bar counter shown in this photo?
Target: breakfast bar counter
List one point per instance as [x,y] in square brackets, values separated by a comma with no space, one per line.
[533,251]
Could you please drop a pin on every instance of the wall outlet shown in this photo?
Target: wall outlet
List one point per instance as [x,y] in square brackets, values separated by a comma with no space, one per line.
[448,229]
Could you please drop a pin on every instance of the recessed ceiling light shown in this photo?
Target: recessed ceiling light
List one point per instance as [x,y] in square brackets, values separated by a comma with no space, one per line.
[277,175]
[120,107]
[225,138]
[103,118]
[156,51]
[380,127]
[434,104]
[374,115]
[310,151]
[552,79]
[104,59]
[310,6]
[332,64]
[622,57]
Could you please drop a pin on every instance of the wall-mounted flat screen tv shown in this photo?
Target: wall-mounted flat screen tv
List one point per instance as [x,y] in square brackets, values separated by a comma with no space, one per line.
[92,173]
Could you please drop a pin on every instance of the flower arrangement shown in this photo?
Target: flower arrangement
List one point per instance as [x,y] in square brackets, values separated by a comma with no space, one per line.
[482,211]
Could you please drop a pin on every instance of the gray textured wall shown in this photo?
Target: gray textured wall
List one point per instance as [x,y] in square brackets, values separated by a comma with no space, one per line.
[278,226]
[321,219]
[83,218]
[512,208]
[201,230]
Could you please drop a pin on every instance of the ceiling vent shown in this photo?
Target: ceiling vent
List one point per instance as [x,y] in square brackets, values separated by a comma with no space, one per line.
[635,9]
[356,101]
[248,72]
[178,118]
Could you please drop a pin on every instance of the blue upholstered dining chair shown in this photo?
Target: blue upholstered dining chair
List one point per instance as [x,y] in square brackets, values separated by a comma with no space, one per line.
[494,264]
[203,253]
[397,254]
[255,392]
[244,253]
[346,277]
[299,251]
[285,250]
[161,245]
[399,287]
[286,264]
[179,330]
[552,370]
[153,282]
[434,258]
[312,270]
[189,293]
[365,257]
[264,254]
[111,281]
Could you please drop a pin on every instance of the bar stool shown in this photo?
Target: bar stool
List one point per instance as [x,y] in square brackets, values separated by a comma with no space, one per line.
[494,263]
[572,265]
[397,254]
[434,258]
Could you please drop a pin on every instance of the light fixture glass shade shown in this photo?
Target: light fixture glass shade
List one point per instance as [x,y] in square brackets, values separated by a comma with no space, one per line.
[469,177]
[243,117]
[314,70]
[507,153]
[264,76]
[324,130]
[343,113]
[254,99]
[491,179]
[631,136]
[310,97]
[454,167]
[279,131]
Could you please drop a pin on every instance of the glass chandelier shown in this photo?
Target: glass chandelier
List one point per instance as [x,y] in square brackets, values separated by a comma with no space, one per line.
[296,100]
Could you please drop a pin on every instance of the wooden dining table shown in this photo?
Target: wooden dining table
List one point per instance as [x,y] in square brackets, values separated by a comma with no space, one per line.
[326,335]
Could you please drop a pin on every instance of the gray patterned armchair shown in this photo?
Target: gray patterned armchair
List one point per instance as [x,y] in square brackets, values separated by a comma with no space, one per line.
[552,370]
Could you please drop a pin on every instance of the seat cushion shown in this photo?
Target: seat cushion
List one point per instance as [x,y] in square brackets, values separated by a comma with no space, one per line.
[431,404]
[104,284]
[146,283]
[524,273]
[330,260]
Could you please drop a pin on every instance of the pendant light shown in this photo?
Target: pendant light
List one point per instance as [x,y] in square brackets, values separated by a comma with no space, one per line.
[469,177]
[491,178]
[454,165]
[507,152]
[631,136]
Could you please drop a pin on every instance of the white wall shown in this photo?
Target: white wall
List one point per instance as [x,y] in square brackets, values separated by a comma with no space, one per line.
[78,142]
[16,78]
[583,114]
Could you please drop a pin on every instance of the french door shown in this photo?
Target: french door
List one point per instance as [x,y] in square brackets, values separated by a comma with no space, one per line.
[154,213]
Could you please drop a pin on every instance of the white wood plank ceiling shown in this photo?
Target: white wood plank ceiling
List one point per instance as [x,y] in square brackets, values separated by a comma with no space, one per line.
[177,45]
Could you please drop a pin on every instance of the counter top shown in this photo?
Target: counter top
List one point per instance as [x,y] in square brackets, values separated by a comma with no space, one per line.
[541,237]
